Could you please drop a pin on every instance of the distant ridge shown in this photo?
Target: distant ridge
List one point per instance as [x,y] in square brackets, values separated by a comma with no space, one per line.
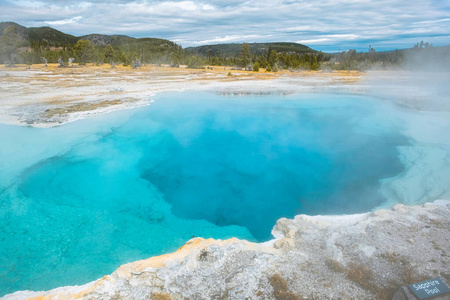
[41,35]
[52,37]
[48,36]
[233,49]
[120,40]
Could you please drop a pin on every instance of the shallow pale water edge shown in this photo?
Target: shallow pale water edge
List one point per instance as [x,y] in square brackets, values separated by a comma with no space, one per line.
[81,199]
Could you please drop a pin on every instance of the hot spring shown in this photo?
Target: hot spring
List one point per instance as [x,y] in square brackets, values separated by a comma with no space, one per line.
[79,200]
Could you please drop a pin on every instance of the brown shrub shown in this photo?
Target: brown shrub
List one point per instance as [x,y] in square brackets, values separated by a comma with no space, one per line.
[335,265]
[281,290]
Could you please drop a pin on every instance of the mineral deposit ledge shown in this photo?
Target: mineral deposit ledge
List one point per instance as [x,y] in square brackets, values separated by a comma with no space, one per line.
[365,256]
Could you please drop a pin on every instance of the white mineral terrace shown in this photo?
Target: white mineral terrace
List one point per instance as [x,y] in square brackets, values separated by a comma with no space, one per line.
[365,256]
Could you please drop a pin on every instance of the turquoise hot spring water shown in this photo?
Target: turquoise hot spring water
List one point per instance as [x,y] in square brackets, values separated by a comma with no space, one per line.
[79,200]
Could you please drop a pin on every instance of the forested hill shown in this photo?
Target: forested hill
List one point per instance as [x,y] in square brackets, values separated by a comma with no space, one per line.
[47,36]
[19,44]
[232,50]
[22,45]
[40,35]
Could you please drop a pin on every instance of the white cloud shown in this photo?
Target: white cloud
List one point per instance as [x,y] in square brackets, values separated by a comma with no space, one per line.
[313,41]
[331,38]
[229,38]
[301,28]
[346,23]
[65,21]
[191,6]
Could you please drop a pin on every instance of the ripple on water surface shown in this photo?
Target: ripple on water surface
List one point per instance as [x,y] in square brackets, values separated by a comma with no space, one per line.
[81,199]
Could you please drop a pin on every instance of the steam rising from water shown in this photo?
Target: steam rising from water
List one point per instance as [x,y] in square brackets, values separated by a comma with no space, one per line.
[424,110]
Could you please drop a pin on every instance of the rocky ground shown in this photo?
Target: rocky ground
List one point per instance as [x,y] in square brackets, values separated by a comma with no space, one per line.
[365,256]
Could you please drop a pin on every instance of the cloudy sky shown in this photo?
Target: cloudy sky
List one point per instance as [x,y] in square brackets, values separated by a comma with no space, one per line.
[327,25]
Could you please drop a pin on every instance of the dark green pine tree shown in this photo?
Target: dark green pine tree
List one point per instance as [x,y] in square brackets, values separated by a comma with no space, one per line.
[108,54]
[84,51]
[273,58]
[245,56]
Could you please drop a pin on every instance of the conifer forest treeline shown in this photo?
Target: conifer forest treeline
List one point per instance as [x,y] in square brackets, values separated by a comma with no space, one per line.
[21,45]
